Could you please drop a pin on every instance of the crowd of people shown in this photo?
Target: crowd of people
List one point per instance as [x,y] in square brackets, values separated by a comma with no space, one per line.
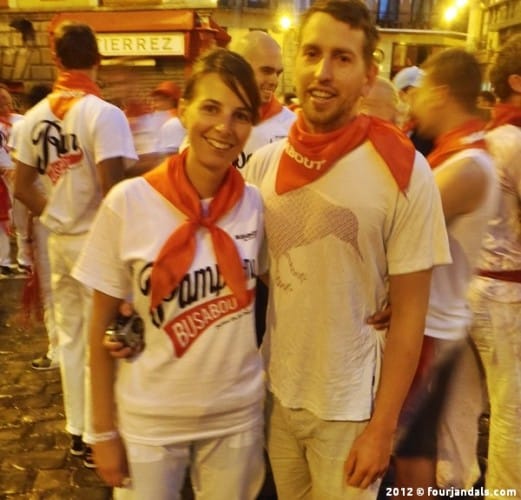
[371,249]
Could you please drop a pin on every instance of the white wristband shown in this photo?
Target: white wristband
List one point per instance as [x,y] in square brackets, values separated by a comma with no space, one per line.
[105,436]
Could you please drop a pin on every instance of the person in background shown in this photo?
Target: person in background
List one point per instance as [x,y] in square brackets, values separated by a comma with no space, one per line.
[165,100]
[37,235]
[382,101]
[80,146]
[441,437]
[7,207]
[407,81]
[264,55]
[342,241]
[486,102]
[192,398]
[495,294]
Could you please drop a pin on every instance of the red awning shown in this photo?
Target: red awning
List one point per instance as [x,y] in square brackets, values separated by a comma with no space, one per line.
[130,21]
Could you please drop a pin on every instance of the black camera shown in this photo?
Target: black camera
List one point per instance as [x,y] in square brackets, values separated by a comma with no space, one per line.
[129,330]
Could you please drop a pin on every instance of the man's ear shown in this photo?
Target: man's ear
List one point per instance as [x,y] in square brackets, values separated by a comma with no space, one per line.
[181,111]
[372,73]
[515,83]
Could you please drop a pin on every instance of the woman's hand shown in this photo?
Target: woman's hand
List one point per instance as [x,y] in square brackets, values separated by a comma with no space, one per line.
[111,462]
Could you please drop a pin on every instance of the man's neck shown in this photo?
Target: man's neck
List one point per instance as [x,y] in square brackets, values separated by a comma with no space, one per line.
[454,120]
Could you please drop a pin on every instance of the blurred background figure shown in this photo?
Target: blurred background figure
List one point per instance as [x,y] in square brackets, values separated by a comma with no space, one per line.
[7,119]
[165,99]
[486,102]
[407,81]
[34,247]
[383,101]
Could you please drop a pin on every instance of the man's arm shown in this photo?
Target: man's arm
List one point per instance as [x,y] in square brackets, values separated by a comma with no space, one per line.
[26,190]
[369,457]
[462,187]
[110,172]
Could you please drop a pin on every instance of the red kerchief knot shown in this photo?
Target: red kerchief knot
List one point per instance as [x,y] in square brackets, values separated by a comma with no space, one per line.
[272,108]
[307,157]
[176,255]
[68,88]
[470,135]
[504,113]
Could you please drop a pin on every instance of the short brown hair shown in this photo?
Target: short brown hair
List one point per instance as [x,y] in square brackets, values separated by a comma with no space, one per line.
[508,62]
[76,46]
[459,70]
[234,71]
[352,12]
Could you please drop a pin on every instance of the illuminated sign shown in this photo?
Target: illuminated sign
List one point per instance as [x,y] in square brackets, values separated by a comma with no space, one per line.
[141,44]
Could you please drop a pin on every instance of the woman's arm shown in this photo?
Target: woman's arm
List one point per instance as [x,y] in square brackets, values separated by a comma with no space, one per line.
[109,452]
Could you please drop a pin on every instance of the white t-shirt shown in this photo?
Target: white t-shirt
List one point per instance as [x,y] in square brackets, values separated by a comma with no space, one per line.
[171,136]
[332,245]
[501,246]
[66,154]
[449,315]
[271,130]
[5,145]
[171,393]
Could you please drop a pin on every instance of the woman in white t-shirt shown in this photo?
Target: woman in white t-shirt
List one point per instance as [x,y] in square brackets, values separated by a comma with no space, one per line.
[183,241]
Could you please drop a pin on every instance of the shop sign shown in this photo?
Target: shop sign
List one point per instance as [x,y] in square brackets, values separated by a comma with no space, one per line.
[141,44]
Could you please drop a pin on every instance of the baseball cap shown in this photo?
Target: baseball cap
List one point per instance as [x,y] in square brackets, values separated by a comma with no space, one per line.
[408,77]
[169,89]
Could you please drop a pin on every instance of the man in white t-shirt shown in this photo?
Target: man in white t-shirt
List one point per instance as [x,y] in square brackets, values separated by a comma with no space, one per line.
[440,445]
[495,294]
[80,146]
[353,219]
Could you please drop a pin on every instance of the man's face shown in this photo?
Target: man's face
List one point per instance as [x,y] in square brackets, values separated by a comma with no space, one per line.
[427,106]
[330,72]
[267,66]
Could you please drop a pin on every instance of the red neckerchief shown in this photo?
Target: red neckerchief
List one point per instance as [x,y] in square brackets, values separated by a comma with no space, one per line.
[177,254]
[307,156]
[270,109]
[467,136]
[504,113]
[68,88]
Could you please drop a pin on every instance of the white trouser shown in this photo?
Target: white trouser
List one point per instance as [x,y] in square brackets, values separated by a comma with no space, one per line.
[5,245]
[496,332]
[307,455]
[72,302]
[41,257]
[225,468]
[457,462]
[20,215]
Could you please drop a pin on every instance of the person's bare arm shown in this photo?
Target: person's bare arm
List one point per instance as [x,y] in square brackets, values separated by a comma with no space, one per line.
[110,172]
[26,190]
[369,457]
[462,187]
[109,454]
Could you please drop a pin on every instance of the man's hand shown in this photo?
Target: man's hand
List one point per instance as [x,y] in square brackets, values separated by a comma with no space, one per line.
[368,458]
[382,319]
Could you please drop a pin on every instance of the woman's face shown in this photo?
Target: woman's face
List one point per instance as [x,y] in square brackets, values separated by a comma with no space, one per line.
[217,122]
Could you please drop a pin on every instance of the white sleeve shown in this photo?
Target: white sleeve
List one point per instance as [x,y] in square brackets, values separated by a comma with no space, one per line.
[417,238]
[100,265]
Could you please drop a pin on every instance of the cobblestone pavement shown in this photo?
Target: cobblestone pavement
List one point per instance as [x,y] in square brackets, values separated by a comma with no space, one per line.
[34,460]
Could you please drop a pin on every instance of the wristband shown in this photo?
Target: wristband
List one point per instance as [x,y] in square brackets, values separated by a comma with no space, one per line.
[105,436]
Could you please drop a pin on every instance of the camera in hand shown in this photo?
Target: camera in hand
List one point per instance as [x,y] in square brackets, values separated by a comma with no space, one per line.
[129,330]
